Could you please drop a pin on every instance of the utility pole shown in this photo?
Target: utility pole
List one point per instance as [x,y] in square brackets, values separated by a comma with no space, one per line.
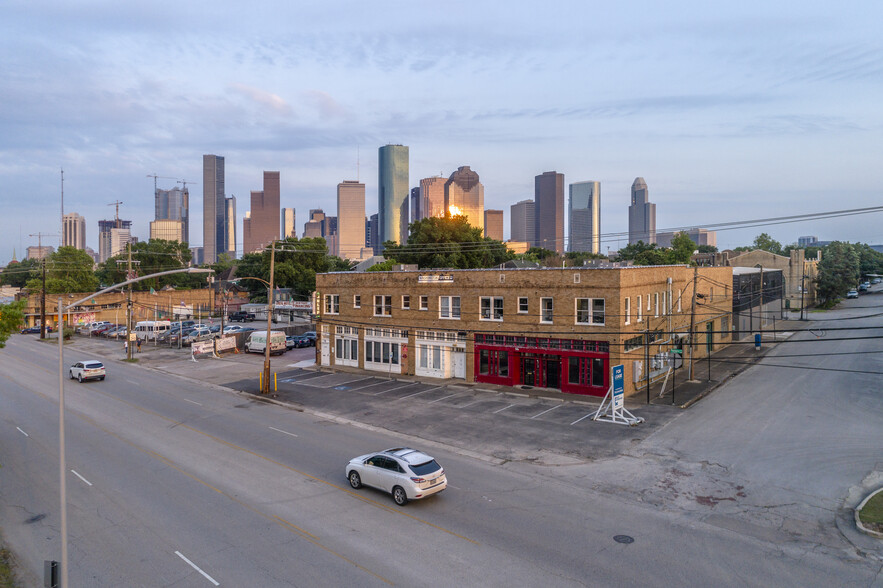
[130,275]
[266,380]
[760,312]
[39,237]
[692,320]
[802,290]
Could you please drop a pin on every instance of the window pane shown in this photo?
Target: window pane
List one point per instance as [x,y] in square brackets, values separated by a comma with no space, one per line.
[485,308]
[455,306]
[436,357]
[503,359]
[598,311]
[422,353]
[394,349]
[597,372]
[498,308]
[444,302]
[385,354]
[369,348]
[483,361]
[573,370]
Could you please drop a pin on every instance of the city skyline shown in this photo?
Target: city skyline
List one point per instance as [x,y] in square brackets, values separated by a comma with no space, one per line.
[730,113]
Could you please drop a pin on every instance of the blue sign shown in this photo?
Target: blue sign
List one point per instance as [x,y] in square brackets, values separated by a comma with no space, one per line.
[618,388]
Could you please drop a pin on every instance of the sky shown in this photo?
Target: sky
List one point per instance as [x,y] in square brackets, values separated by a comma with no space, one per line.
[730,112]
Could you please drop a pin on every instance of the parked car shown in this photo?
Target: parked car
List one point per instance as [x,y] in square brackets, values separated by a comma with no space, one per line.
[110,328]
[117,333]
[35,329]
[199,334]
[233,329]
[852,294]
[257,342]
[299,341]
[863,287]
[241,316]
[87,370]
[311,335]
[407,474]
[876,280]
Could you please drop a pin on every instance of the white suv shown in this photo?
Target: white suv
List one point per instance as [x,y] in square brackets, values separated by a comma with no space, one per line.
[405,473]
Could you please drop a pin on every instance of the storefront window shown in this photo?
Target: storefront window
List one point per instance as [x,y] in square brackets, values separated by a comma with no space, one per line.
[483,361]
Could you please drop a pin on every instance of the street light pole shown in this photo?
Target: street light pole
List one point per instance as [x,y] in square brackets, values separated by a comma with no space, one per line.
[265,388]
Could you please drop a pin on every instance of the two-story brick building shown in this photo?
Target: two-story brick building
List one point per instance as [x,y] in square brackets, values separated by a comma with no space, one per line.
[557,328]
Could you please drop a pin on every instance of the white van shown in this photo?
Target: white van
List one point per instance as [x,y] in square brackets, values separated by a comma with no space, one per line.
[149,330]
[257,342]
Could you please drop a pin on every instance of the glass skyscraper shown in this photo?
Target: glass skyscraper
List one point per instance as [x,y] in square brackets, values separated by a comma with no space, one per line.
[393,193]
[584,233]
[214,208]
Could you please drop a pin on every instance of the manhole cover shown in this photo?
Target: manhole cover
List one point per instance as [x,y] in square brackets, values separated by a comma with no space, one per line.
[623,539]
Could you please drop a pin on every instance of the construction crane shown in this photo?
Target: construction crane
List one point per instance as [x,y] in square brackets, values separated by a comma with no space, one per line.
[185,182]
[154,176]
[116,214]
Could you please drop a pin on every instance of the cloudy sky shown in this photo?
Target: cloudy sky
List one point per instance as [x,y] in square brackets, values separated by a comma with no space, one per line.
[730,112]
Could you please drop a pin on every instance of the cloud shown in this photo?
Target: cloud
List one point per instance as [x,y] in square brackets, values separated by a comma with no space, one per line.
[268,99]
[327,106]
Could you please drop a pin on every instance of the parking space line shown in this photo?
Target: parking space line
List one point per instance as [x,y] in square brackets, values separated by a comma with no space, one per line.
[581,418]
[351,381]
[74,472]
[445,398]
[471,403]
[548,410]
[192,402]
[396,388]
[367,385]
[22,432]
[281,431]
[504,408]
[195,567]
[421,392]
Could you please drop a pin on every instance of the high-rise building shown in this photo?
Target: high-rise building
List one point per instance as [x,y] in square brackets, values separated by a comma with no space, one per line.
[432,196]
[642,214]
[584,231]
[416,211]
[493,224]
[265,215]
[807,241]
[549,211]
[289,218]
[374,234]
[350,219]
[168,230]
[392,194]
[106,239]
[213,207]
[230,226]
[522,226]
[39,252]
[312,229]
[174,204]
[697,235]
[119,238]
[464,195]
[74,231]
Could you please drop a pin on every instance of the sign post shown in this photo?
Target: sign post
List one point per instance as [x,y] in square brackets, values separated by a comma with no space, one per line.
[613,408]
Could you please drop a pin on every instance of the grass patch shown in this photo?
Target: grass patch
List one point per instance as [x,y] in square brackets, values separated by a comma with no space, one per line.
[7,573]
[872,512]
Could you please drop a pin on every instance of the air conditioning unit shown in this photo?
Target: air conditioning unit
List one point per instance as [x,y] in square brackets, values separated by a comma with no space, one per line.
[637,370]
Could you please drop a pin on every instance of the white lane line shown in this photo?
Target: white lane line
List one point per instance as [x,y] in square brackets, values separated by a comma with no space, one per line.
[365,386]
[422,392]
[545,411]
[192,402]
[445,398]
[130,381]
[22,432]
[471,403]
[396,388]
[281,431]
[581,418]
[74,472]
[504,408]
[195,567]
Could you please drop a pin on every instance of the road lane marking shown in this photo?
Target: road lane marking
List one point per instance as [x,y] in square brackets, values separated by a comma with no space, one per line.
[366,385]
[581,418]
[504,408]
[131,382]
[471,403]
[396,388]
[422,392]
[445,397]
[281,431]
[196,567]
[548,410]
[22,432]
[74,472]
[192,402]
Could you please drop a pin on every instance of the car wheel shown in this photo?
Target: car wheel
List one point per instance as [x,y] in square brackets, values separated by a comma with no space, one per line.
[355,480]
[72,374]
[80,378]
[398,494]
[101,378]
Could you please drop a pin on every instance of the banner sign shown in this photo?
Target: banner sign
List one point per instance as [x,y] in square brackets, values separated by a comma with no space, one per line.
[225,343]
[203,347]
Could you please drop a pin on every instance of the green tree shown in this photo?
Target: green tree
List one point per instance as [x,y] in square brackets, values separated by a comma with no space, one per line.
[447,242]
[870,260]
[383,266]
[653,257]
[707,249]
[767,243]
[682,248]
[632,250]
[11,316]
[67,270]
[838,271]
[17,274]
[150,257]
[296,265]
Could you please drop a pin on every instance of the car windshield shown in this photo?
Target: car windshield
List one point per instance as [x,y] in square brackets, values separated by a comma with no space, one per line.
[421,469]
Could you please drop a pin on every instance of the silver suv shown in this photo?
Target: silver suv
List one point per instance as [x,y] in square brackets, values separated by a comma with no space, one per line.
[407,474]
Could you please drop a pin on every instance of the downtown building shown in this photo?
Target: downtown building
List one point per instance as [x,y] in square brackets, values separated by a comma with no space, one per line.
[549,211]
[432,197]
[289,220]
[522,223]
[350,241]
[172,205]
[113,236]
[493,224]
[73,231]
[584,233]
[213,208]
[464,195]
[263,222]
[392,194]
[642,214]
[230,226]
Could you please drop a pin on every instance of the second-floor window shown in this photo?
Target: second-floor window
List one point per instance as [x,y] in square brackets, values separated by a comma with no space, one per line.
[357,301]
[628,311]
[491,308]
[449,307]
[382,305]
[590,311]
[332,303]
[522,305]
[547,309]
[406,302]
[424,303]
[640,310]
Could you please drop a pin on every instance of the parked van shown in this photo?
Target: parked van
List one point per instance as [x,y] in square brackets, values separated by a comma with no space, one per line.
[257,342]
[150,330]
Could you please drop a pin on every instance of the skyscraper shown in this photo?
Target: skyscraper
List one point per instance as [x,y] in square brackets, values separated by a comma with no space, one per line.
[289,218]
[642,214]
[432,196]
[392,194]
[493,224]
[521,222]
[464,195]
[265,219]
[374,234]
[74,231]
[174,204]
[350,219]
[549,211]
[107,238]
[168,230]
[230,226]
[213,207]
[584,233]
[415,205]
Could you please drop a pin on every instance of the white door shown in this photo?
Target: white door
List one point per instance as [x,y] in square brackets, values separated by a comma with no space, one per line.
[459,363]
[326,350]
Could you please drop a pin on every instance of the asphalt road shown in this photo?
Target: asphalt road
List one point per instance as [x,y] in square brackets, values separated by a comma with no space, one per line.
[253,494]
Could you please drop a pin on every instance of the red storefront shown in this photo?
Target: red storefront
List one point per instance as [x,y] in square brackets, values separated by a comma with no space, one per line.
[570,365]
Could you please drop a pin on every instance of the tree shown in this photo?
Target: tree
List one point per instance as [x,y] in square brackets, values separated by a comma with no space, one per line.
[154,256]
[707,249]
[17,274]
[838,271]
[11,316]
[383,266]
[447,242]
[870,260]
[767,243]
[296,265]
[632,250]
[67,270]
[682,248]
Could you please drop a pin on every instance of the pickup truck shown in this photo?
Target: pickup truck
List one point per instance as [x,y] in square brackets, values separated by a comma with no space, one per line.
[241,316]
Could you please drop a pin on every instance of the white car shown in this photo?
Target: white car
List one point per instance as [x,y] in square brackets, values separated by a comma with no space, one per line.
[407,474]
[87,370]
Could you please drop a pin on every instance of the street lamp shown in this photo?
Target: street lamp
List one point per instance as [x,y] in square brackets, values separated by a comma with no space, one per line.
[62,460]
[265,380]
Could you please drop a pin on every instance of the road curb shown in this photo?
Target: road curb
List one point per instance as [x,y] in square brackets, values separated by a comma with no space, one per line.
[858,523]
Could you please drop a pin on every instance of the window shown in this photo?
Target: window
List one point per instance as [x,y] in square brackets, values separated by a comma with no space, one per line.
[546,310]
[590,311]
[640,310]
[347,349]
[628,311]
[449,307]
[382,352]
[679,300]
[648,304]
[522,305]
[382,305]
[424,303]
[357,301]
[633,343]
[655,304]
[406,302]
[491,308]
[332,304]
